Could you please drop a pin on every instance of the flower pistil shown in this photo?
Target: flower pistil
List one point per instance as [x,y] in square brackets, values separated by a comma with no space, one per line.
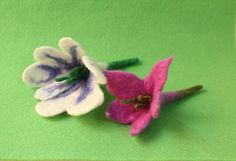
[141,101]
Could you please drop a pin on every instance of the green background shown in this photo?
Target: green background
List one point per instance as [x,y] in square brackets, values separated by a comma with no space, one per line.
[200,33]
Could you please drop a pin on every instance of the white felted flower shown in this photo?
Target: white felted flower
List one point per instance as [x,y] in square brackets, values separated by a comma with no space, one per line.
[76,98]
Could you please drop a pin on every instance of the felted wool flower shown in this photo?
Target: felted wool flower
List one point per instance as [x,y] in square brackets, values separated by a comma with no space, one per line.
[68,80]
[139,101]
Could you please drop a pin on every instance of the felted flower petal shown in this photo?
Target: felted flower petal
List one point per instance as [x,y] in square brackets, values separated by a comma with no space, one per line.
[140,122]
[51,90]
[58,104]
[95,69]
[103,66]
[90,97]
[39,74]
[158,76]
[124,85]
[155,82]
[52,56]
[73,48]
[120,112]
[155,105]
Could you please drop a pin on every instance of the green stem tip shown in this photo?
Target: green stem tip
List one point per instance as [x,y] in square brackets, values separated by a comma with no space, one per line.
[122,63]
[189,91]
[168,97]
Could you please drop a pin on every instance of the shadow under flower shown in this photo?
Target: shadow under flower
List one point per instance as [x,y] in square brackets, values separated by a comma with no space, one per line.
[97,116]
[59,117]
[170,119]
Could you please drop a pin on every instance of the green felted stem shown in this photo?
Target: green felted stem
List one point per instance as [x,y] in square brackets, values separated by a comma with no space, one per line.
[59,79]
[83,75]
[76,71]
[71,80]
[76,74]
[122,63]
[169,97]
[189,91]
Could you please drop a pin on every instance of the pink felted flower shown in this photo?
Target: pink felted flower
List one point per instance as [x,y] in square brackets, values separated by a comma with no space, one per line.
[139,101]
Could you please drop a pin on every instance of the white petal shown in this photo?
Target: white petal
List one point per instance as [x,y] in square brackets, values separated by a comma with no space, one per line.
[93,66]
[39,74]
[59,104]
[103,66]
[48,110]
[51,90]
[94,99]
[70,46]
[79,100]
[52,56]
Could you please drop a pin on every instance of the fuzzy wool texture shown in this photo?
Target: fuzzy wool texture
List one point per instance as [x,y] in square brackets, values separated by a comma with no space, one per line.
[77,98]
[199,33]
[124,85]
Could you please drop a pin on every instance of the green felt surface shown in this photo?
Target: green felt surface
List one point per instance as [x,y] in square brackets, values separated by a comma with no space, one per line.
[200,33]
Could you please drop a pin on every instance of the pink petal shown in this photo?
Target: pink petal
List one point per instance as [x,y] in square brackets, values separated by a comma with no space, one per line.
[154,84]
[158,76]
[140,122]
[124,85]
[155,104]
[122,113]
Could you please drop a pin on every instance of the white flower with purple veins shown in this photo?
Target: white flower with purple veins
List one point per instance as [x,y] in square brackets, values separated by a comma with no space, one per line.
[68,80]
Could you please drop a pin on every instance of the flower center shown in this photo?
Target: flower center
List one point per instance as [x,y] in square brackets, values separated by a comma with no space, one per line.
[77,74]
[141,101]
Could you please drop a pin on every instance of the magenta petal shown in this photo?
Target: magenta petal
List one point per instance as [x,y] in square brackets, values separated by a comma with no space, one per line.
[155,104]
[122,113]
[140,122]
[158,76]
[124,85]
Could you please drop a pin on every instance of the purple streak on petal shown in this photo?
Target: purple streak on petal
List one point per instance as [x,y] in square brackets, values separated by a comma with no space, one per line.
[58,60]
[86,84]
[60,86]
[86,88]
[73,87]
[52,73]
[73,53]
[52,88]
